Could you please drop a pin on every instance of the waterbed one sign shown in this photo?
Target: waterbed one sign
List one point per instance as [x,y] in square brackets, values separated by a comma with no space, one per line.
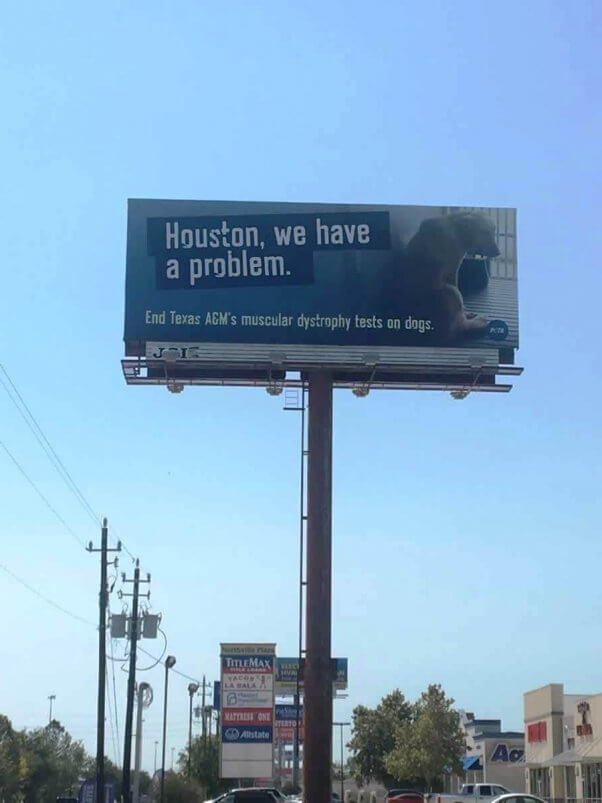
[318,274]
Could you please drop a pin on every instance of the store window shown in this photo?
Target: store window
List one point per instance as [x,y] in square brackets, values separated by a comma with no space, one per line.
[539,782]
[592,780]
[570,782]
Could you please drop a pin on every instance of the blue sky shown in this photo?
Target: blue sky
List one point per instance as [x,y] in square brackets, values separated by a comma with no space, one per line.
[465,534]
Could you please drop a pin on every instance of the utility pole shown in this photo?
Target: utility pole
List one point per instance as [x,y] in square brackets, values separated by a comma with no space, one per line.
[51,697]
[131,690]
[102,656]
[204,715]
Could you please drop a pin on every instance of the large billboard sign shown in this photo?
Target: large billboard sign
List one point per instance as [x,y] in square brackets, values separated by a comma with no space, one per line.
[234,274]
[247,710]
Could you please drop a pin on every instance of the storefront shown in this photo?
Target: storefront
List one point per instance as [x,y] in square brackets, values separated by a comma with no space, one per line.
[563,734]
[493,756]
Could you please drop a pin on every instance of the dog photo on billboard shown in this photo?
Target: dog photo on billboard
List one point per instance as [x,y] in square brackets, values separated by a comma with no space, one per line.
[431,267]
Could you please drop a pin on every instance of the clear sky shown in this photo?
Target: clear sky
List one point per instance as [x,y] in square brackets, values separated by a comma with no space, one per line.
[466,534]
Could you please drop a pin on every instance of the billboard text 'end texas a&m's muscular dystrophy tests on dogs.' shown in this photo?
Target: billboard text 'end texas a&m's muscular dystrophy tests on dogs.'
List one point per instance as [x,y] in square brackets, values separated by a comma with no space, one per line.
[320,274]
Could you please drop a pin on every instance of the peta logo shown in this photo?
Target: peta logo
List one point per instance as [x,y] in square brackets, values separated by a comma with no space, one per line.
[507,756]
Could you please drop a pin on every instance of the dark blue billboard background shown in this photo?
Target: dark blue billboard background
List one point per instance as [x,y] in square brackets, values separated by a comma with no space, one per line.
[230,272]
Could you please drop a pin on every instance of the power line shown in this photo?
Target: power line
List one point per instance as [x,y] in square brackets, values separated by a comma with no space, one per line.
[175,671]
[111,719]
[40,436]
[60,608]
[118,752]
[49,450]
[41,495]
[46,599]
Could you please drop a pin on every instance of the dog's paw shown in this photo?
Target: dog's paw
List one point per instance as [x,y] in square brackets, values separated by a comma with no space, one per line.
[475,323]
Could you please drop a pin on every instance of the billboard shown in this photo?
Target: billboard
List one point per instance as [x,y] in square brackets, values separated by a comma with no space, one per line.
[235,274]
[285,679]
[247,710]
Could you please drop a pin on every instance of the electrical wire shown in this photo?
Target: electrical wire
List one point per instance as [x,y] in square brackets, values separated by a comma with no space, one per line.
[40,436]
[60,608]
[51,454]
[157,660]
[116,709]
[49,601]
[41,495]
[118,762]
[111,719]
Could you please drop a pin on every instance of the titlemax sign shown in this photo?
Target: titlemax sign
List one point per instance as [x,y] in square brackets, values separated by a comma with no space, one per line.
[251,663]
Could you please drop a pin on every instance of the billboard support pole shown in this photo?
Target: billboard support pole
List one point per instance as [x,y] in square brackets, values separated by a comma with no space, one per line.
[318,674]
[302,520]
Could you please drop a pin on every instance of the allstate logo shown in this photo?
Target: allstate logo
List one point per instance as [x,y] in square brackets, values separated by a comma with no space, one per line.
[231,734]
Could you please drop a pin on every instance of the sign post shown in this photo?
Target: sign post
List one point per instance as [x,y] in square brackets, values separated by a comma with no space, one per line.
[318,673]
[247,710]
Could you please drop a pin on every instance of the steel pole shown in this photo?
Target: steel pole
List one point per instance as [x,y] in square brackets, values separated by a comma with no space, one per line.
[131,689]
[169,662]
[190,734]
[164,734]
[138,743]
[342,773]
[318,676]
[297,698]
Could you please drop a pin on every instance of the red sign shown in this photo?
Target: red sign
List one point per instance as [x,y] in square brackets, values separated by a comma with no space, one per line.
[247,716]
[584,730]
[253,664]
[537,732]
[285,731]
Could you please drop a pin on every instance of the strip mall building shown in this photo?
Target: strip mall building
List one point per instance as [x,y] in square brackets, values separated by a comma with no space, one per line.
[563,744]
[493,756]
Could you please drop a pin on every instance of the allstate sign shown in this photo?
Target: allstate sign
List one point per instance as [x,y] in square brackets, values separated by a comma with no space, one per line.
[507,755]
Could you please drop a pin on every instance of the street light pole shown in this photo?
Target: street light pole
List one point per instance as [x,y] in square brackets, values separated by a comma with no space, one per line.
[342,725]
[51,697]
[169,662]
[192,690]
[155,767]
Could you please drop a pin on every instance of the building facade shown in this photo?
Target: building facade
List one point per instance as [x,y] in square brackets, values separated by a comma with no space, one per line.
[493,756]
[563,744]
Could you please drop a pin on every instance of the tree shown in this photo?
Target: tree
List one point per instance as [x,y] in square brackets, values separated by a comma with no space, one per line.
[54,763]
[13,762]
[373,737]
[204,764]
[431,743]
[180,789]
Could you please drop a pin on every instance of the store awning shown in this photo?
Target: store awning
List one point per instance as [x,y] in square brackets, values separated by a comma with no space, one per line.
[568,757]
[472,763]
[571,757]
